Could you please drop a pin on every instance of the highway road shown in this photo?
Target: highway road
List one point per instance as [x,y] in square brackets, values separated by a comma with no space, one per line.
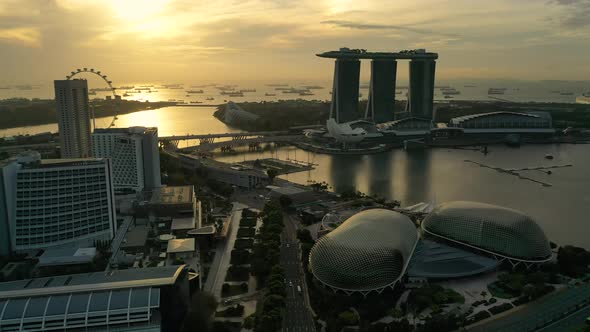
[298,317]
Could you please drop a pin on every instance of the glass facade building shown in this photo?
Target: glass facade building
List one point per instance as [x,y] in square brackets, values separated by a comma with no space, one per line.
[58,202]
[369,252]
[381,101]
[134,154]
[422,88]
[345,93]
[73,118]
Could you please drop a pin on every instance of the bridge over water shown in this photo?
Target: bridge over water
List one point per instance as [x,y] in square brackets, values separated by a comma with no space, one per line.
[210,142]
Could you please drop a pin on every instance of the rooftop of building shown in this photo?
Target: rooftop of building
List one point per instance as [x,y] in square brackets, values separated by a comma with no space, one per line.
[172,195]
[181,245]
[135,237]
[32,160]
[129,130]
[207,230]
[66,256]
[232,168]
[536,115]
[95,281]
[368,252]
[489,228]
[346,53]
[436,260]
[287,190]
[182,224]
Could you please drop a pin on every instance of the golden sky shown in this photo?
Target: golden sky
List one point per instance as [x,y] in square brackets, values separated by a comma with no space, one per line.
[198,40]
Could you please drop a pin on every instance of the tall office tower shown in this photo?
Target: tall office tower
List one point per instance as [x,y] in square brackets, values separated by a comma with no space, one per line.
[345,93]
[382,91]
[73,118]
[57,202]
[421,88]
[7,203]
[134,154]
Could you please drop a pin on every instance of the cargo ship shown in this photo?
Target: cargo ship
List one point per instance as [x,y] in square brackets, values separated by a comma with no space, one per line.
[583,99]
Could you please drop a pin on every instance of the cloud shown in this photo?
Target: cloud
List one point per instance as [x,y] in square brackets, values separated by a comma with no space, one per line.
[372,26]
[577,13]
[26,36]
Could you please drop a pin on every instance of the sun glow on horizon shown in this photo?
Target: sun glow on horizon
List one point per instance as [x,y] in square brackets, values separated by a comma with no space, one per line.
[138,9]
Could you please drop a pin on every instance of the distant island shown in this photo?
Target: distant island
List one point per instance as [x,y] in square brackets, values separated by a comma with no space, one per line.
[283,114]
[277,115]
[20,112]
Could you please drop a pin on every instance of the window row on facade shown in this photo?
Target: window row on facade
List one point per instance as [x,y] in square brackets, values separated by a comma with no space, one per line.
[60,191]
[31,239]
[74,182]
[23,228]
[47,202]
[59,173]
[60,209]
[82,215]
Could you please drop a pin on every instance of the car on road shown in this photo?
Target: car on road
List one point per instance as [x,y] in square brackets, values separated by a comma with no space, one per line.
[290,284]
[288,246]
[299,289]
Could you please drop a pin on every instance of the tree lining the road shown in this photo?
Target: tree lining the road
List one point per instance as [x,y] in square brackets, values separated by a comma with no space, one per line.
[270,318]
[265,267]
[267,244]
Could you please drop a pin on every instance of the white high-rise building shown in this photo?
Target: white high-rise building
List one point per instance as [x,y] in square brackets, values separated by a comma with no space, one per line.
[73,118]
[134,154]
[57,202]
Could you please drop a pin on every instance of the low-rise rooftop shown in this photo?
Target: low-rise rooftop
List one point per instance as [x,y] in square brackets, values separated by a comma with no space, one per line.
[172,195]
[179,224]
[95,281]
[181,245]
[67,256]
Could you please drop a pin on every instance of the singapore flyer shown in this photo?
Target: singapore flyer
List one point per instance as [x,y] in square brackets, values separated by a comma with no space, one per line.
[116,98]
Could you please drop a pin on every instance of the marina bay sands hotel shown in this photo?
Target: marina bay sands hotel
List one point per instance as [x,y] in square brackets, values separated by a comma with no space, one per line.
[380,108]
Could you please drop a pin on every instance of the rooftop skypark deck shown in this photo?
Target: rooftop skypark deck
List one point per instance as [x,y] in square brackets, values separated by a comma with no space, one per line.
[346,53]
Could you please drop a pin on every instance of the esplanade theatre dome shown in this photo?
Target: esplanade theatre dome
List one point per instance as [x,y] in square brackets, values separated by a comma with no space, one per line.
[493,229]
[368,252]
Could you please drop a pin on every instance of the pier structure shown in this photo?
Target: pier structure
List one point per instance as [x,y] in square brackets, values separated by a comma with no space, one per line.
[380,106]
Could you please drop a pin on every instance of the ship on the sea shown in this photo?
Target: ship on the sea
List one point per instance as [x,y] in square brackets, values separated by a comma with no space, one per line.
[194,91]
[583,99]
[449,91]
[496,91]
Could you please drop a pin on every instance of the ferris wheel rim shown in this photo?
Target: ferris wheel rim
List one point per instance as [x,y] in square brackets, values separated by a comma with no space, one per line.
[109,83]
